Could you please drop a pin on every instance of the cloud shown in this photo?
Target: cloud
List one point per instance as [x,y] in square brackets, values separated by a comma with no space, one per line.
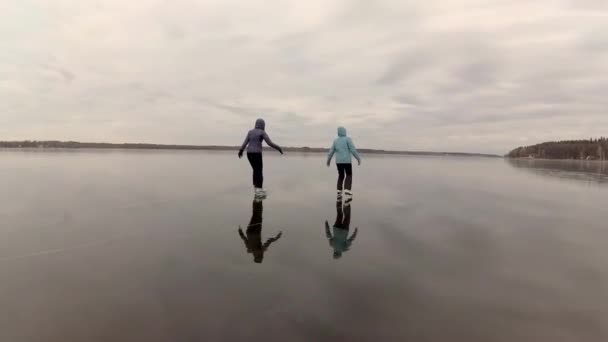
[470,75]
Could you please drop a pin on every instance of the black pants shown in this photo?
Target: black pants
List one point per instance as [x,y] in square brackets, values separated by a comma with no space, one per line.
[342,182]
[256,215]
[257,164]
[342,216]
[254,233]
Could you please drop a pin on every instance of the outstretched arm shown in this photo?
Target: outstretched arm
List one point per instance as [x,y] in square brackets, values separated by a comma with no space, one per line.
[327,230]
[332,151]
[245,240]
[354,236]
[242,235]
[353,150]
[271,240]
[271,144]
[350,241]
[330,237]
[244,145]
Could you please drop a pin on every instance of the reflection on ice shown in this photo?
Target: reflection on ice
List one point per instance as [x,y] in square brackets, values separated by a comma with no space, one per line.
[339,240]
[253,237]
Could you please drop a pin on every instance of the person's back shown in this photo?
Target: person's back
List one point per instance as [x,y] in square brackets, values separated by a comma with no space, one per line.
[256,136]
[344,149]
[253,143]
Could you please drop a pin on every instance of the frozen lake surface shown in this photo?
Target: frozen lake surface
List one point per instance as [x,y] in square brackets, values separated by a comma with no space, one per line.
[145,246]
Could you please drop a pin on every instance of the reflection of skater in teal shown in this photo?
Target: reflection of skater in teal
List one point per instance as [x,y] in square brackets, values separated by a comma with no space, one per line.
[253,238]
[339,240]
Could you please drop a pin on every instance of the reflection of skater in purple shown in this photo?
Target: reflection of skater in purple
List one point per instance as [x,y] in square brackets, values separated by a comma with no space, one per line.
[253,236]
[339,240]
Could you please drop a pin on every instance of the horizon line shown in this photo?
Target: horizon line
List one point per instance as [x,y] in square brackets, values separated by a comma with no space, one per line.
[146,145]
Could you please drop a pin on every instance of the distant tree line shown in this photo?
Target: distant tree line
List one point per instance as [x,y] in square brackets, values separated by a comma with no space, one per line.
[592,149]
[75,144]
[54,144]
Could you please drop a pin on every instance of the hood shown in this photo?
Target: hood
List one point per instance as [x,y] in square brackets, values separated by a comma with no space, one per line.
[260,124]
[341,131]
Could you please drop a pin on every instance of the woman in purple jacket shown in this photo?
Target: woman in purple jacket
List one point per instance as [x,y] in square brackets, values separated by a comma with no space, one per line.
[253,143]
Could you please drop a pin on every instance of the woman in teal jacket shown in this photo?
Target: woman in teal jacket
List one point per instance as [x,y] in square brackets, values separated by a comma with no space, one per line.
[344,149]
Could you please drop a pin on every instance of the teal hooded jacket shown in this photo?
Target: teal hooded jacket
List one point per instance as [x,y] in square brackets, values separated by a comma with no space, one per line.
[343,148]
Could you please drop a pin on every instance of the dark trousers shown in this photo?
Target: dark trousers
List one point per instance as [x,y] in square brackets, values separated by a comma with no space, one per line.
[254,233]
[342,216]
[257,164]
[345,182]
[256,215]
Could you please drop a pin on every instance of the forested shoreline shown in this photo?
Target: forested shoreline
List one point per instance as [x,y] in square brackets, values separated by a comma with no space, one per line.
[592,149]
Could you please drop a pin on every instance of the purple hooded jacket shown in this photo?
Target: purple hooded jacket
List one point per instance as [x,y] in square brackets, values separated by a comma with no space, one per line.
[253,141]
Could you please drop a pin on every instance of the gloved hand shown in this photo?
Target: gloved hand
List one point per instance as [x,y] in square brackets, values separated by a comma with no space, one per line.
[281,151]
[240,154]
[359,161]
[328,163]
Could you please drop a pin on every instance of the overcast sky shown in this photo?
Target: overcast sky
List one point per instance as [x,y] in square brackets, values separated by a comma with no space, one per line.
[444,75]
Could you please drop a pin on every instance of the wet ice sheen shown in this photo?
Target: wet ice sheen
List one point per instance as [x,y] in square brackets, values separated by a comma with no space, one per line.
[145,246]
